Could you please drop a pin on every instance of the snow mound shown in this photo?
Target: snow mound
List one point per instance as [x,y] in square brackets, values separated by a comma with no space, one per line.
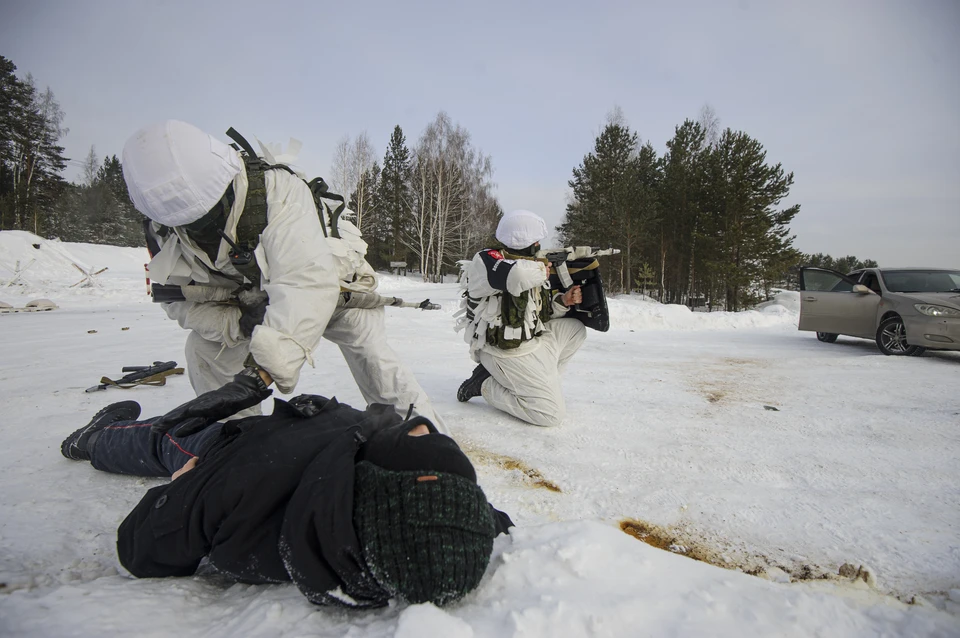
[37,261]
[32,265]
[634,312]
[788,300]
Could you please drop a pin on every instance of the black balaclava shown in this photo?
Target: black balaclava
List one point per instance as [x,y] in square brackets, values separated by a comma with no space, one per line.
[206,230]
[393,449]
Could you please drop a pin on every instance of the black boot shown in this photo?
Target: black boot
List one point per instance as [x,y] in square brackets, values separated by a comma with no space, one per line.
[471,387]
[74,447]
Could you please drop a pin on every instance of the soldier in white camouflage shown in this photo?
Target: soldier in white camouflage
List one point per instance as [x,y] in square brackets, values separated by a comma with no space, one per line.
[515,326]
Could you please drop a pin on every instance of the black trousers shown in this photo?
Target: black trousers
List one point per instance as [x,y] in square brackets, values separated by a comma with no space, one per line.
[131,447]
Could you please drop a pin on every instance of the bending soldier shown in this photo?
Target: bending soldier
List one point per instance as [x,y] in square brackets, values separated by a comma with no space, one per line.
[221,219]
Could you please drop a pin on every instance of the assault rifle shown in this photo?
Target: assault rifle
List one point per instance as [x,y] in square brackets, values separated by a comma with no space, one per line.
[574,252]
[165,293]
[351,299]
[140,375]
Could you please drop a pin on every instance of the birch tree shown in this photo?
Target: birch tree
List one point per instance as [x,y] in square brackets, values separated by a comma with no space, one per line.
[454,206]
[340,168]
[352,163]
[90,167]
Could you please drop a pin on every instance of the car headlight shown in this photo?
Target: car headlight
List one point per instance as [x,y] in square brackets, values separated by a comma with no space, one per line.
[936,311]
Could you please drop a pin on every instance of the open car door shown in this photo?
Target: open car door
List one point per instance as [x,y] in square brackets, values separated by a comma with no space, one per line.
[829,303]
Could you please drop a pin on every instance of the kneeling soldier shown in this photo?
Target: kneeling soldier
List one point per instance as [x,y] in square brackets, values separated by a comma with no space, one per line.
[515,327]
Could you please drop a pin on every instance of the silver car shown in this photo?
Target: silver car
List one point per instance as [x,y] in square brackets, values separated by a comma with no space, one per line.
[906,310]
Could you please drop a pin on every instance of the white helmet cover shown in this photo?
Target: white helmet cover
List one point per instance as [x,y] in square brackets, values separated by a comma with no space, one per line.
[176,173]
[521,228]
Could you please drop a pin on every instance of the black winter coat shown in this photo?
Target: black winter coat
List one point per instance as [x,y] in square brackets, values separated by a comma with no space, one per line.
[271,501]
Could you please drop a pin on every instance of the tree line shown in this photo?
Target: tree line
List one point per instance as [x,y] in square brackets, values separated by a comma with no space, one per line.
[700,224]
[33,194]
[839,264]
[427,206]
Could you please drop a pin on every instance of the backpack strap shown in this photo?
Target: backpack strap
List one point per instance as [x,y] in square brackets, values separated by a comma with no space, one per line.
[241,141]
[153,236]
[254,217]
[321,191]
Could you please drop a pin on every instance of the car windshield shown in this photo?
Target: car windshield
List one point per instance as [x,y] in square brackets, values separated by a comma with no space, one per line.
[921,280]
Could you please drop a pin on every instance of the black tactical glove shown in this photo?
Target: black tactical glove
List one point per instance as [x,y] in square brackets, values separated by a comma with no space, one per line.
[251,317]
[246,390]
[253,306]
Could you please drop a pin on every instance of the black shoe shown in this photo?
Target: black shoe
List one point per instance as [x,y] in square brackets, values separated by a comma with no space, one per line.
[75,446]
[471,387]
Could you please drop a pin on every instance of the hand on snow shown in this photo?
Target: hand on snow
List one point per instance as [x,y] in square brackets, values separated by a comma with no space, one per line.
[246,390]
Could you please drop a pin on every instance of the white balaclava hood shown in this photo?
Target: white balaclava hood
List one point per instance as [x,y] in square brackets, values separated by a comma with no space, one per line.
[176,173]
[521,228]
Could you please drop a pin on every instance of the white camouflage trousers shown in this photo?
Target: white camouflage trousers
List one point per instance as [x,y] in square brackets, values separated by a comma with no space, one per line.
[361,336]
[528,386]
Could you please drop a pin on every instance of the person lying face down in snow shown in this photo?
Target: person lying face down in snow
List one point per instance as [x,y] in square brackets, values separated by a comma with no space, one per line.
[355,507]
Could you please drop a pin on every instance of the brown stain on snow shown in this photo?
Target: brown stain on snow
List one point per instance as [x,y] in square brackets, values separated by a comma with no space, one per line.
[533,476]
[662,538]
[754,565]
[715,396]
[726,380]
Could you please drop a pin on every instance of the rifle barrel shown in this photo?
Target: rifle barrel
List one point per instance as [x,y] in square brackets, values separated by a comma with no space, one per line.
[148,371]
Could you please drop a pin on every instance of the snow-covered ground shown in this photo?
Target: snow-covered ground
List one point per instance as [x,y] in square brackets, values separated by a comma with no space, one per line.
[729,437]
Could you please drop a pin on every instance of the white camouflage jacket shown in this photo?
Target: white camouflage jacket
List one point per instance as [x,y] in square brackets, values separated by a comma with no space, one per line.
[486,278]
[300,273]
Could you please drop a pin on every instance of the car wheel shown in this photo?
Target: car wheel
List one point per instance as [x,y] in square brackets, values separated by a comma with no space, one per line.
[892,339]
[827,337]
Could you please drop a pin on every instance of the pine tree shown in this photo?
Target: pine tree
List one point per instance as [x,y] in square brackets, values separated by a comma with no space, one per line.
[606,199]
[681,200]
[30,160]
[31,157]
[395,196]
[646,278]
[129,220]
[99,212]
[842,265]
[750,239]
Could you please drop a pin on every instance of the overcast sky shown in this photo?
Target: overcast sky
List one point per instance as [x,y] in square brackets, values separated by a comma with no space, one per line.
[860,100]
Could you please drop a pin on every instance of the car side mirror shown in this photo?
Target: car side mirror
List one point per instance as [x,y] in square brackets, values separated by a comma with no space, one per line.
[860,289]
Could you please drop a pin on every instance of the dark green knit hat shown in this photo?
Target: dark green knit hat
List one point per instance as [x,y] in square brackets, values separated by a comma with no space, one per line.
[426,536]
